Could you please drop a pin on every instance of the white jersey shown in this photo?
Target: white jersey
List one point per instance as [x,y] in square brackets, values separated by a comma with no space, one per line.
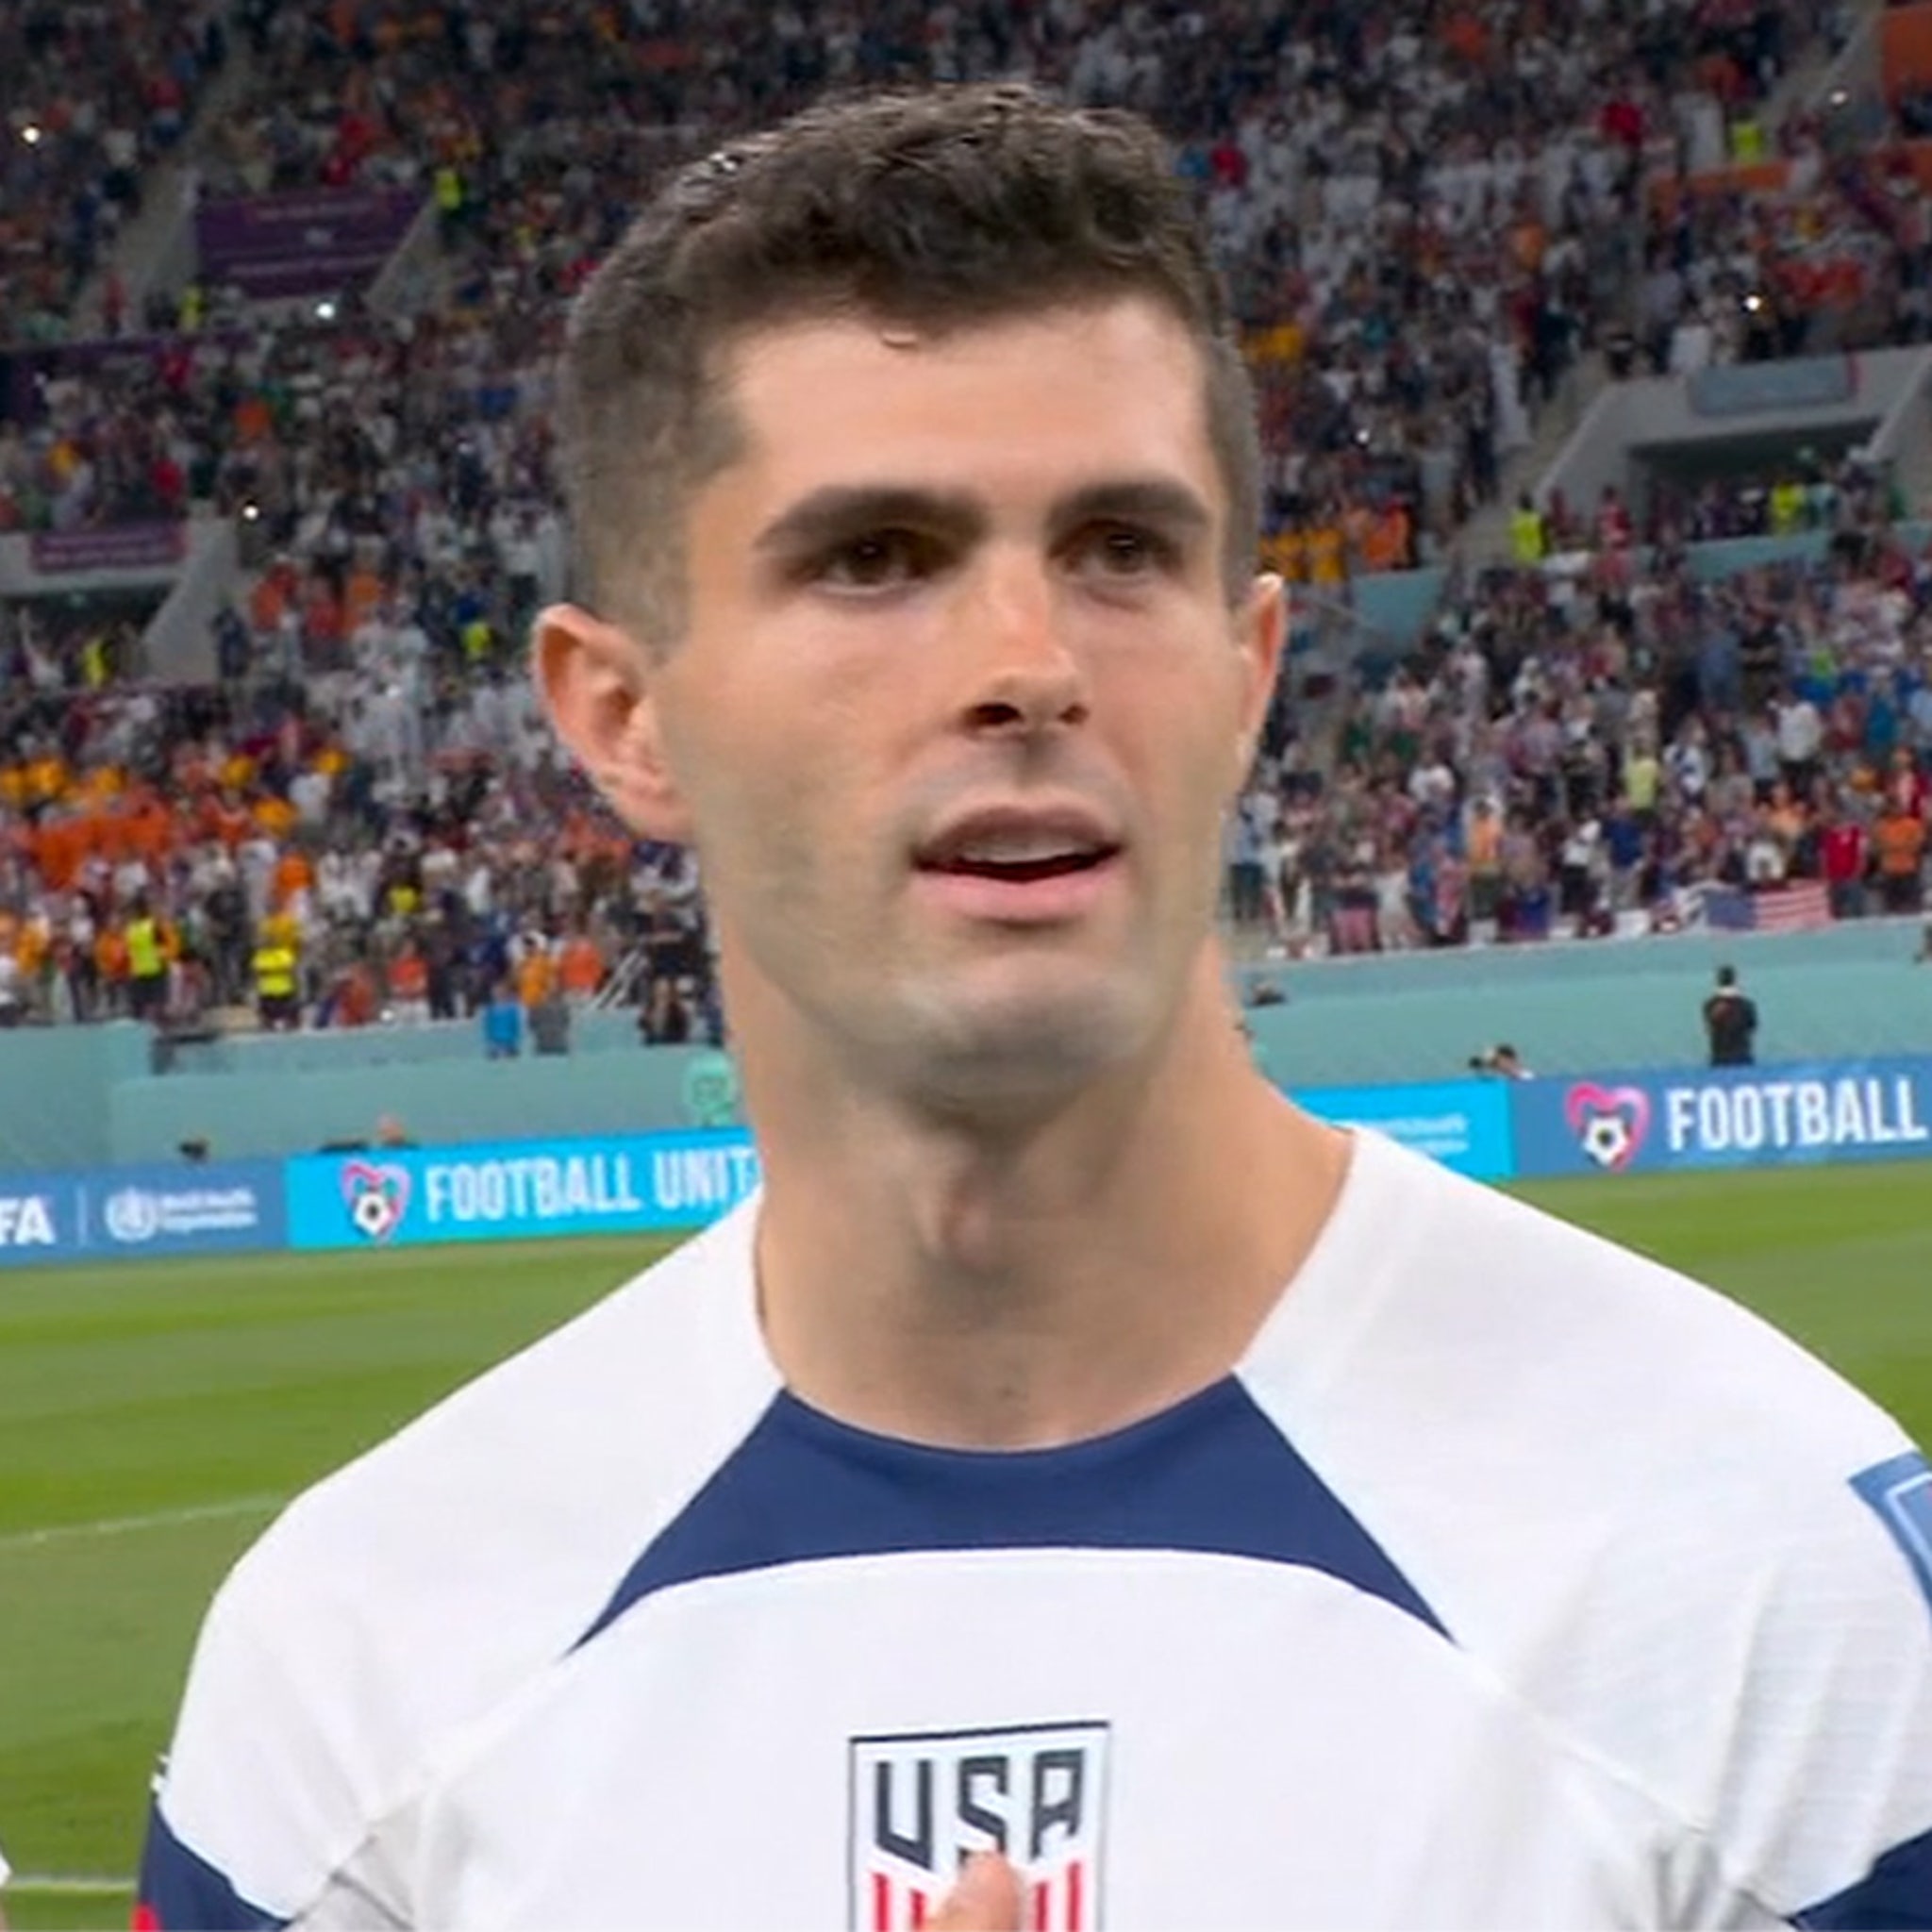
[1510,1580]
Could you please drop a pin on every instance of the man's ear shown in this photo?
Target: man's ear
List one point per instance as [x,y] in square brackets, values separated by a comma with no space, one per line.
[598,686]
[1260,633]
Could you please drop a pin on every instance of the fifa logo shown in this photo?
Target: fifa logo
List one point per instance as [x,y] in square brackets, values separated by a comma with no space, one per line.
[922,1803]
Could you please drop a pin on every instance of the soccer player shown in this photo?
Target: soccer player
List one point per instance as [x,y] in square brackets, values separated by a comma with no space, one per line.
[1074,1453]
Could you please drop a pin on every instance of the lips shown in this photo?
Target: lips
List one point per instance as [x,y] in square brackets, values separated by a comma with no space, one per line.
[1019,844]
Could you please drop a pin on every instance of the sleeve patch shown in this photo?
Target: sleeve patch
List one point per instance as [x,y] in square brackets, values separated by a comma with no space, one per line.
[1900,1492]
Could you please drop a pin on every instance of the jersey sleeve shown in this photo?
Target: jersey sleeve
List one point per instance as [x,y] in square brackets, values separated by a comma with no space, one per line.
[255,1808]
[1823,1813]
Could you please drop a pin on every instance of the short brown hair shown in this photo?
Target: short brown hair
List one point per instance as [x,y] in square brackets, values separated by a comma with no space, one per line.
[933,210]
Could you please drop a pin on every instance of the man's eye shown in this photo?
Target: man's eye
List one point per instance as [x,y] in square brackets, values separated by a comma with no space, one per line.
[1120,550]
[879,561]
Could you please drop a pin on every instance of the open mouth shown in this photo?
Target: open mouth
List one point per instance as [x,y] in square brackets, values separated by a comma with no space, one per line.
[1022,866]
[1023,870]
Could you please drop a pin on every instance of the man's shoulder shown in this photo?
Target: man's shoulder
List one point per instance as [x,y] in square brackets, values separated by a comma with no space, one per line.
[502,1517]
[1638,1508]
[1507,1369]
[402,1601]
[1661,1363]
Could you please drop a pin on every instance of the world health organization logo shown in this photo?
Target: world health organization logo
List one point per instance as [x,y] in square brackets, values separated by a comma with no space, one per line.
[132,1215]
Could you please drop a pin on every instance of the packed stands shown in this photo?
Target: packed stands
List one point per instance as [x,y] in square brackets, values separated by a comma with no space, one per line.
[1357,167]
[91,96]
[411,861]
[366,820]
[1806,492]
[1580,749]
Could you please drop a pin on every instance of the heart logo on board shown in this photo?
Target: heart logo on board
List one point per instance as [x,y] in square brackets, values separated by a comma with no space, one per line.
[1610,1123]
[377,1198]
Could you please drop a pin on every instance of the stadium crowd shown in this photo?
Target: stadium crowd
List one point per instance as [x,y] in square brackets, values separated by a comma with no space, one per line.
[326,857]
[91,96]
[366,818]
[1582,748]
[1357,167]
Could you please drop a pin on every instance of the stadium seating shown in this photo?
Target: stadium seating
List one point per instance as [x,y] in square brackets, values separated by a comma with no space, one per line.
[89,97]
[1571,750]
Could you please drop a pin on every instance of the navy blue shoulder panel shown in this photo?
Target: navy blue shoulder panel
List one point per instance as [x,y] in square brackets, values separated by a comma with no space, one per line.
[180,1891]
[1895,1896]
[1211,1474]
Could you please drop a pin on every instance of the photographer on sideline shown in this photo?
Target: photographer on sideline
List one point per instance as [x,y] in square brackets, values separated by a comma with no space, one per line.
[1502,1063]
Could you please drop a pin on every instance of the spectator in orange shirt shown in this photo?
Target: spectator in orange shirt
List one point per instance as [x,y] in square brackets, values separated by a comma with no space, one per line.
[31,948]
[47,778]
[293,875]
[111,970]
[59,844]
[224,817]
[273,592]
[352,1000]
[409,983]
[1386,539]
[361,599]
[535,974]
[1898,841]
[580,967]
[275,815]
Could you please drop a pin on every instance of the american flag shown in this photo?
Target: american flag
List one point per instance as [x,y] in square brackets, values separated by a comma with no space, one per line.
[1803,906]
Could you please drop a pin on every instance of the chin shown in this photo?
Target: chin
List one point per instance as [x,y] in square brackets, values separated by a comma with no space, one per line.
[1020,1045]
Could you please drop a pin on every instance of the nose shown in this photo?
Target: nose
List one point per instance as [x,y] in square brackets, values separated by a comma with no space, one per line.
[1025,675]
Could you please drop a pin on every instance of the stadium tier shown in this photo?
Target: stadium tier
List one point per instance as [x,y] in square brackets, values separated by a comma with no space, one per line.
[281,506]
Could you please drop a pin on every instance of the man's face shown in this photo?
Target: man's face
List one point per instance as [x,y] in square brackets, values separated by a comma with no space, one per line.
[962,698]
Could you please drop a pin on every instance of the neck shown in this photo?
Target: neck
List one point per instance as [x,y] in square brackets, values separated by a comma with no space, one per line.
[1042,1280]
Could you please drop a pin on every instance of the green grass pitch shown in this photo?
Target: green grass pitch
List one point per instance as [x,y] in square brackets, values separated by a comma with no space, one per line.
[152,1416]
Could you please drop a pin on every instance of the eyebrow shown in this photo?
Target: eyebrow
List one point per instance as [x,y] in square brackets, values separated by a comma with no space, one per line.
[840,512]
[1174,506]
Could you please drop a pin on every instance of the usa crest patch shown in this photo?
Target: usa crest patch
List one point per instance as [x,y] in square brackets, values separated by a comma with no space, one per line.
[924,1801]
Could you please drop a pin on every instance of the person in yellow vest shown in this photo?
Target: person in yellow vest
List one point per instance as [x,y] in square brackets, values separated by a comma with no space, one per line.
[147,964]
[277,966]
[1529,541]
[1286,553]
[95,666]
[1789,500]
[47,777]
[446,185]
[1642,782]
[1328,555]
